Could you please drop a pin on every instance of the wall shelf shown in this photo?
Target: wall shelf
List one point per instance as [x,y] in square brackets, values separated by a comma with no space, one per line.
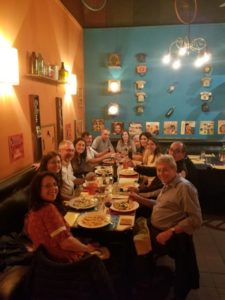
[45,79]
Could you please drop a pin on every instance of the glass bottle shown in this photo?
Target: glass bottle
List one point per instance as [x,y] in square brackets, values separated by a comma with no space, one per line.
[63,73]
[40,62]
[33,63]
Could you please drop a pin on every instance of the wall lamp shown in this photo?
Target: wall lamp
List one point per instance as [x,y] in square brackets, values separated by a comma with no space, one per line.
[9,66]
[114,86]
[113,109]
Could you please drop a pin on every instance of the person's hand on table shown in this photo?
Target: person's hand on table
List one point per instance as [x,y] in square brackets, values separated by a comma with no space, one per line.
[134,196]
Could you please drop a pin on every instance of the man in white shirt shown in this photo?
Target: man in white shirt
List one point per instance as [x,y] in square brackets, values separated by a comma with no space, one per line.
[66,150]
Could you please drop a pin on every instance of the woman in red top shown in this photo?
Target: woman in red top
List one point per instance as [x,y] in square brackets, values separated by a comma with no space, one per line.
[45,224]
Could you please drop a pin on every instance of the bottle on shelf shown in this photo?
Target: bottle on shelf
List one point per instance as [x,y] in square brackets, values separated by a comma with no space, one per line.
[33,64]
[63,73]
[40,65]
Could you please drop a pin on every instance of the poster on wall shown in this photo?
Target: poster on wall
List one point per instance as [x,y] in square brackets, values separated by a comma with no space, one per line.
[206,127]
[16,147]
[48,138]
[135,128]
[98,124]
[188,127]
[36,126]
[68,132]
[79,128]
[170,127]
[59,119]
[117,128]
[152,127]
[221,126]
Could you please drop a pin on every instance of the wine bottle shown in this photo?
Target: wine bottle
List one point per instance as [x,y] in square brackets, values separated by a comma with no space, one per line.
[114,171]
[33,63]
[63,73]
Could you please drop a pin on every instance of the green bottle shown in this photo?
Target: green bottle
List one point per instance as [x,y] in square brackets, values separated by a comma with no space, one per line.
[63,73]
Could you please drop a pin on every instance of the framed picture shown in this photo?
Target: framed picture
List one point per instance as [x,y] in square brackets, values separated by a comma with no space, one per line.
[170,127]
[48,138]
[206,127]
[98,124]
[36,126]
[152,127]
[68,132]
[79,128]
[135,128]
[16,147]
[221,126]
[188,127]
[59,119]
[117,128]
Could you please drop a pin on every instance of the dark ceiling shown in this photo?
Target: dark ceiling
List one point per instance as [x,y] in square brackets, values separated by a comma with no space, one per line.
[128,13]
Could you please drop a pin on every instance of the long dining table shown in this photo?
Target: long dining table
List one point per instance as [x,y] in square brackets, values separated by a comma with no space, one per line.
[118,230]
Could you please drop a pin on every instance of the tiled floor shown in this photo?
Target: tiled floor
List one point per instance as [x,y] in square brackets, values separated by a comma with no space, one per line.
[210,249]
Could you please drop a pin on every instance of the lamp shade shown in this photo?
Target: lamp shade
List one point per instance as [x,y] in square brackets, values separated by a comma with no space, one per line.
[9,68]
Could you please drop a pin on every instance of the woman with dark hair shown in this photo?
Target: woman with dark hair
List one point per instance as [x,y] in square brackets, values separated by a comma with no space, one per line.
[79,161]
[52,162]
[125,145]
[151,153]
[45,224]
[143,138]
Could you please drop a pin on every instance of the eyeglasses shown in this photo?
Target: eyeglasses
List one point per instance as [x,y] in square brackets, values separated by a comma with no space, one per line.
[49,186]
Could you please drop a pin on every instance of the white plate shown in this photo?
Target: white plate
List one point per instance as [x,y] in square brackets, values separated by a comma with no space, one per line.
[103,171]
[93,220]
[83,203]
[128,172]
[134,206]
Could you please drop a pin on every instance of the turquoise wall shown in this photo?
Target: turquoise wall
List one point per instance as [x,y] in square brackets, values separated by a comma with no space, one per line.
[153,41]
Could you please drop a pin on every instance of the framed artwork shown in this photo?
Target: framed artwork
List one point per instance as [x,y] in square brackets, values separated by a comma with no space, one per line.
[59,119]
[79,128]
[117,128]
[36,126]
[206,127]
[68,132]
[135,128]
[152,127]
[48,138]
[98,124]
[16,147]
[188,127]
[170,127]
[221,126]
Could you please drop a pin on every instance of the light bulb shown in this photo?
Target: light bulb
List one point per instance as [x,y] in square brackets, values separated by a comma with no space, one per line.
[166,59]
[176,64]
[182,51]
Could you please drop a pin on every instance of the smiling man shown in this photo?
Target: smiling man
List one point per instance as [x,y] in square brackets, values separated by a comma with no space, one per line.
[176,214]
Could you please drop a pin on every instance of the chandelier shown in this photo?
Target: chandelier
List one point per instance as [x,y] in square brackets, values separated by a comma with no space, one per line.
[185,46]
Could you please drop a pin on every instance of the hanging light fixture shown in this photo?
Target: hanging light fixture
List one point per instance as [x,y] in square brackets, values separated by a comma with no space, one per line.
[185,46]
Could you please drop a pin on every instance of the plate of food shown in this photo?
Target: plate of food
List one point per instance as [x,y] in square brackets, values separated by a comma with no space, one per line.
[93,220]
[83,202]
[108,161]
[124,206]
[103,170]
[127,172]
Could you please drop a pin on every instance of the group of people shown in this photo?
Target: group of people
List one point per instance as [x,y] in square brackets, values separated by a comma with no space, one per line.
[175,212]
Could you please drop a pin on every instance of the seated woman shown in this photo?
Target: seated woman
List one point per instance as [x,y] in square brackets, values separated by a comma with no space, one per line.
[143,138]
[52,162]
[125,145]
[45,224]
[79,161]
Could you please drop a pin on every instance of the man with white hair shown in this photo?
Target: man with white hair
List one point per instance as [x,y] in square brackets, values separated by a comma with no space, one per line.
[176,214]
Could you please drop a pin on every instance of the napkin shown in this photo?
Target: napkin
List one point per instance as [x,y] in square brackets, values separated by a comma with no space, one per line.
[141,237]
[71,218]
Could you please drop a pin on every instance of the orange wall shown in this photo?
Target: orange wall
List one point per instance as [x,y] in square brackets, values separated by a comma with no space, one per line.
[45,27]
